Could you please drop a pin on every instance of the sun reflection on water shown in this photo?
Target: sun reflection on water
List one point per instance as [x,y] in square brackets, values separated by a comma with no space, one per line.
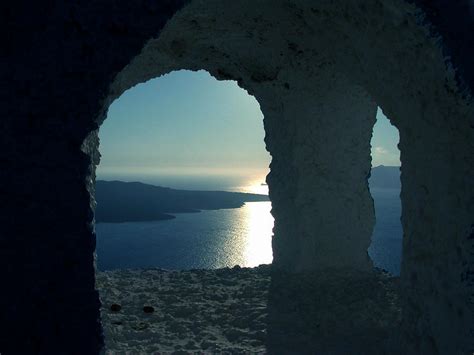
[254,185]
[207,240]
[258,188]
[257,249]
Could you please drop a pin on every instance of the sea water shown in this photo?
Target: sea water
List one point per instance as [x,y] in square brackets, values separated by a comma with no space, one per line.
[386,247]
[228,237]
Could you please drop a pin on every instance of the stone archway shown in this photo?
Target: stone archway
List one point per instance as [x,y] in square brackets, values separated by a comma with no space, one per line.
[297,141]
[61,59]
[318,90]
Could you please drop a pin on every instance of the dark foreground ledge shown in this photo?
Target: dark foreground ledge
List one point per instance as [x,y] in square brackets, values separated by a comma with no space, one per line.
[249,310]
[333,312]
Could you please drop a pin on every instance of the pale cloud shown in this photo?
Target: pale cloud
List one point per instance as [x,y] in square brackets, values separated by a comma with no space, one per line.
[380,150]
[383,156]
[384,142]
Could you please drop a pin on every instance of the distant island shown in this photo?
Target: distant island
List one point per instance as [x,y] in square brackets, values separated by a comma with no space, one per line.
[119,201]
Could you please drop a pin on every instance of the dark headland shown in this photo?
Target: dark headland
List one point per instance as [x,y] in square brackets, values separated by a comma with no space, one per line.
[119,201]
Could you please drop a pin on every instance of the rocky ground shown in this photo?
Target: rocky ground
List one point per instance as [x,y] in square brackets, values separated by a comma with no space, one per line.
[241,311]
[210,311]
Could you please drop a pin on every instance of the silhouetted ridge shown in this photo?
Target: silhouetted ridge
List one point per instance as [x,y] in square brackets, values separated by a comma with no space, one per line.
[119,201]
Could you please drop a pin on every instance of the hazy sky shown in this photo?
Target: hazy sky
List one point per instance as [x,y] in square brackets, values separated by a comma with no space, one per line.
[189,123]
[384,142]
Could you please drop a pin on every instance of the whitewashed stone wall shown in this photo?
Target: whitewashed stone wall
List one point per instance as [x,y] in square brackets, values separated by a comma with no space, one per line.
[318,71]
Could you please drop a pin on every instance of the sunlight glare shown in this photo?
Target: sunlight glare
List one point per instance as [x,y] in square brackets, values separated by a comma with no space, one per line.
[259,234]
[259,188]
[255,185]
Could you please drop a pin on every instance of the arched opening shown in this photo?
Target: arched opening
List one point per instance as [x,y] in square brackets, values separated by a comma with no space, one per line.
[385,186]
[277,49]
[336,78]
[315,255]
[166,147]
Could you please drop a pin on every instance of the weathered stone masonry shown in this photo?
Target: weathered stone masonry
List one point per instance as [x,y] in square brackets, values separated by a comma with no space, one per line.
[58,59]
[318,70]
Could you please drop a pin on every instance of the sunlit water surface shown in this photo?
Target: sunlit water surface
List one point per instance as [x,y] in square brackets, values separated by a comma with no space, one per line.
[208,239]
[228,237]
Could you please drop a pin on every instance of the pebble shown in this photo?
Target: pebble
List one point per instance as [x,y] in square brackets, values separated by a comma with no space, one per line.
[115,307]
[148,309]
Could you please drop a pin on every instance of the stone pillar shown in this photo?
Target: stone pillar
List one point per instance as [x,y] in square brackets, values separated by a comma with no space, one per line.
[319,139]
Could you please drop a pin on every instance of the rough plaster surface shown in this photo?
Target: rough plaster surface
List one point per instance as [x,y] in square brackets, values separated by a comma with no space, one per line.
[244,311]
[318,70]
[312,68]
[195,311]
